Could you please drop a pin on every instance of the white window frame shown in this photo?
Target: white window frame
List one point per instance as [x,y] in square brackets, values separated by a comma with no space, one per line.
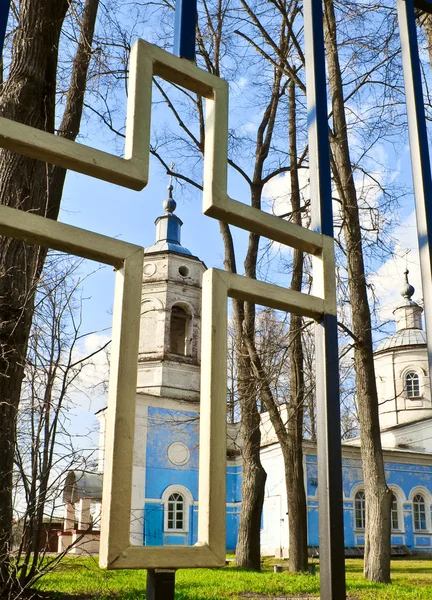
[400,499]
[362,508]
[427,502]
[408,394]
[420,520]
[188,501]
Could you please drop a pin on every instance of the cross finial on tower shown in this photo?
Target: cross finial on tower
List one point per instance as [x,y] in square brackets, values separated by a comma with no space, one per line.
[170,204]
[170,172]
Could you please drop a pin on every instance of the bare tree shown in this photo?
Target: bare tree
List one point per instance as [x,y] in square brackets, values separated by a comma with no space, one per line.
[28,95]
[378,495]
[267,39]
[263,162]
[46,449]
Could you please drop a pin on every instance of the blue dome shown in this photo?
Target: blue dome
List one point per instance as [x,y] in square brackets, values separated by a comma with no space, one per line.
[168,229]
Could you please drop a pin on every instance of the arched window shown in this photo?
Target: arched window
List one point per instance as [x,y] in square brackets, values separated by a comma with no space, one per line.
[394,514]
[175,512]
[419,513]
[360,510]
[176,501]
[412,384]
[180,321]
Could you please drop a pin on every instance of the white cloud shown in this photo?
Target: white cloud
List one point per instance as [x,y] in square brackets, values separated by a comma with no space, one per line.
[89,392]
[278,191]
[388,279]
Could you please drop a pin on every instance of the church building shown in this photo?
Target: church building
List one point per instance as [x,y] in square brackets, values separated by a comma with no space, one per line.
[165,481]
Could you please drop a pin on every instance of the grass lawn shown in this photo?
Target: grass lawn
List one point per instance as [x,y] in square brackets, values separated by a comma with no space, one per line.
[81,578]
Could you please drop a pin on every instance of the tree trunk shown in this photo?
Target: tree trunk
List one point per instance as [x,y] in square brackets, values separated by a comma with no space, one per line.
[248,548]
[254,476]
[28,96]
[378,496]
[427,26]
[296,494]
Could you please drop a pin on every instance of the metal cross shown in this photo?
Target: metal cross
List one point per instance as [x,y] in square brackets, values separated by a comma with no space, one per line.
[184,29]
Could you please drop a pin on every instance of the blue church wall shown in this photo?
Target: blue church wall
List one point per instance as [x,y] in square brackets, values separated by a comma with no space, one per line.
[153,524]
[348,518]
[312,522]
[165,427]
[232,525]
[168,426]
[154,534]
[234,479]
[404,478]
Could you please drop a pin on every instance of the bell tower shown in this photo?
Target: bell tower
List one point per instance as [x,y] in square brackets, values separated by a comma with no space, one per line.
[169,351]
[401,366]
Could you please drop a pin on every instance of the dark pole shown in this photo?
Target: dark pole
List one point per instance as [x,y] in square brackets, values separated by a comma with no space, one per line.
[160,584]
[420,159]
[184,28]
[330,499]
[4,15]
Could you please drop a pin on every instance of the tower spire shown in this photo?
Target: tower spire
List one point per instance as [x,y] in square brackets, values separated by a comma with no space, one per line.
[168,225]
[408,313]
[407,290]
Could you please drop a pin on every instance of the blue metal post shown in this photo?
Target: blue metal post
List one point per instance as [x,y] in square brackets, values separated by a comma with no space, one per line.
[4,15]
[184,28]
[331,532]
[420,159]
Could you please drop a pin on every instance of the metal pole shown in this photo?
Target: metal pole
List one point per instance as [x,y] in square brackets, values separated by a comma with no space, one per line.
[420,160]
[160,584]
[184,28]
[331,553]
[4,15]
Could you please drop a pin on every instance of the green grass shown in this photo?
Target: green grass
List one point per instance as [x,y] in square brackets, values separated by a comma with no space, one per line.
[82,578]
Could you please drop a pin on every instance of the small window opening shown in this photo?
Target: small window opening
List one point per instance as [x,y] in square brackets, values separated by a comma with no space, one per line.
[175,512]
[180,321]
[412,384]
[360,510]
[184,271]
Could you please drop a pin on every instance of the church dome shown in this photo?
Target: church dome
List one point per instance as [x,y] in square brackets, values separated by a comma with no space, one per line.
[406,337]
[409,330]
[168,229]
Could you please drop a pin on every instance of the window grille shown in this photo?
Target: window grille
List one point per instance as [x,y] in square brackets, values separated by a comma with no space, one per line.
[175,512]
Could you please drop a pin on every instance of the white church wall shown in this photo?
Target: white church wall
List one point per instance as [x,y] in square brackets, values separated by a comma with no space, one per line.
[415,436]
[139,473]
[274,532]
[390,369]
[176,380]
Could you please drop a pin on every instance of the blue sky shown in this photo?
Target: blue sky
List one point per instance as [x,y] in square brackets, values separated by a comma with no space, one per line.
[118,212]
